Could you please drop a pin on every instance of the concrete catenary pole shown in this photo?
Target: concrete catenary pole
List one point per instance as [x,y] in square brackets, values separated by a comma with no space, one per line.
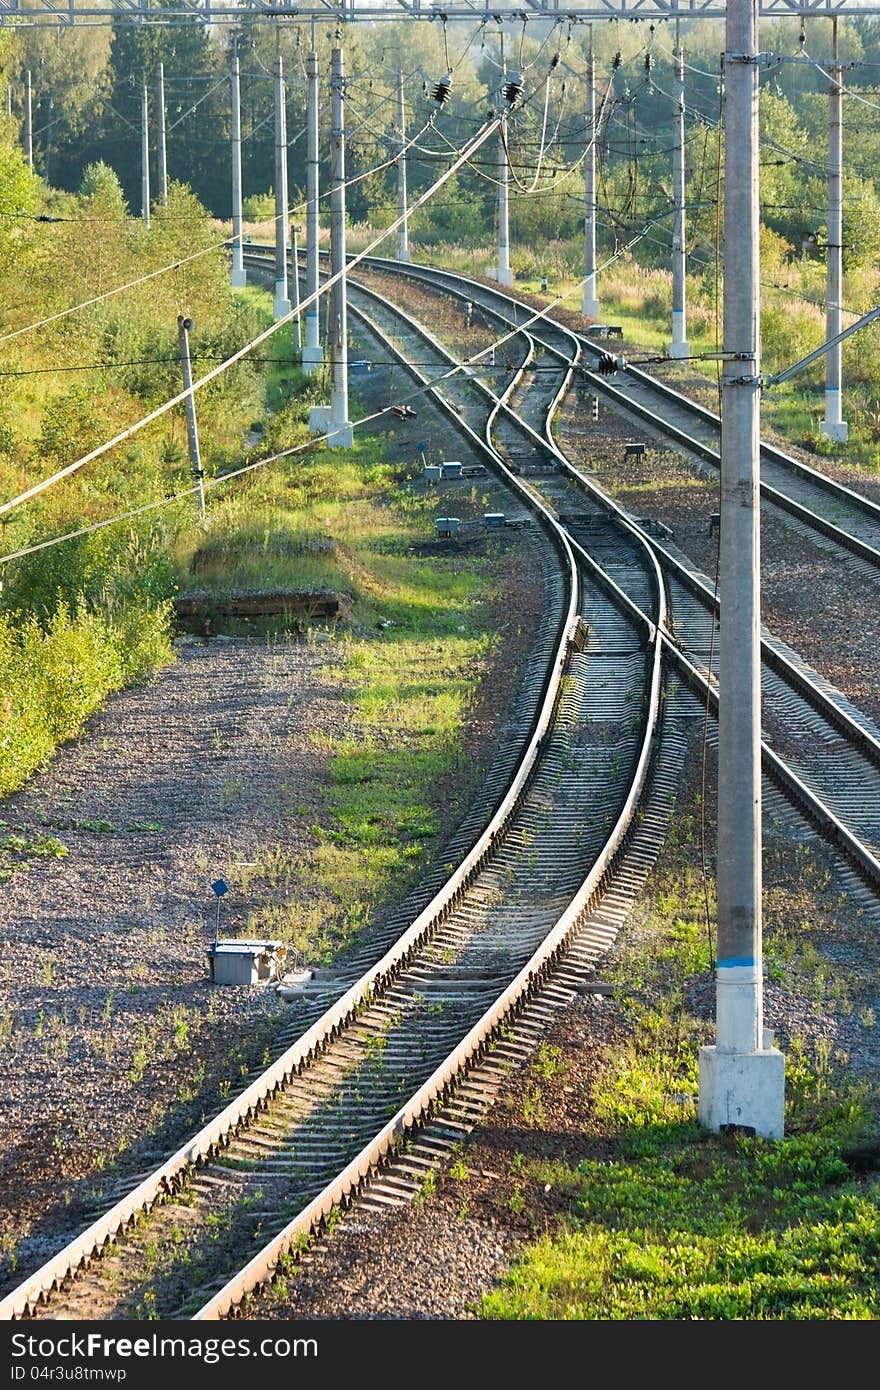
[313,355]
[145,154]
[589,301]
[403,229]
[834,425]
[238,274]
[282,302]
[679,347]
[161,153]
[503,272]
[294,284]
[184,325]
[340,434]
[28,119]
[742,1077]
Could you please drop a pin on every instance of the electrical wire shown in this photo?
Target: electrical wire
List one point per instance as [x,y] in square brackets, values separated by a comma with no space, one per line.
[37,488]
[117,289]
[308,445]
[219,83]
[521,186]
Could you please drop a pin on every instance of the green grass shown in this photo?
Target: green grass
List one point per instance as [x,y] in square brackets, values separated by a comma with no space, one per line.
[671,1221]
[685,1226]
[348,521]
[389,790]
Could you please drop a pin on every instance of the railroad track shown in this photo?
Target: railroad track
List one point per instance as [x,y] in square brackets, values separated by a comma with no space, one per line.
[310,1130]
[831,514]
[832,762]
[396,1069]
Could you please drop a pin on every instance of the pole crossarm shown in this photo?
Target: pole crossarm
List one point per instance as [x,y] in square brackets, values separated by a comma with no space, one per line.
[863,322]
[219,12]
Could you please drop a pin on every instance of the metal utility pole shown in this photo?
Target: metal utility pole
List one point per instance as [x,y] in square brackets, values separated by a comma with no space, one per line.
[503,273]
[313,355]
[47,104]
[834,425]
[28,120]
[160,125]
[297,324]
[403,230]
[742,1077]
[145,154]
[679,347]
[340,436]
[192,432]
[282,302]
[237,275]
[589,302]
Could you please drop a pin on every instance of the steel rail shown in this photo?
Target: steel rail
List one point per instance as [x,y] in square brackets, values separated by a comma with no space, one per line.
[859,736]
[855,733]
[261,1268]
[212,1136]
[814,520]
[821,815]
[342,1188]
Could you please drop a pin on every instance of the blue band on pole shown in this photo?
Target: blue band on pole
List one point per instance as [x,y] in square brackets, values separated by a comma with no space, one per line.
[736,962]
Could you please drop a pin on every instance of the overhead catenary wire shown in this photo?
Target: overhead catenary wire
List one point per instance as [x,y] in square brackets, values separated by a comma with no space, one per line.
[37,488]
[310,444]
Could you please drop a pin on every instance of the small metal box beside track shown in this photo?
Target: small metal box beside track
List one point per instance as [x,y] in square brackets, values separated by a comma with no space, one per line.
[238,961]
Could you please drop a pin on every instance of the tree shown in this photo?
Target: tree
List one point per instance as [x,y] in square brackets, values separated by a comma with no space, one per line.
[99,181]
[69,75]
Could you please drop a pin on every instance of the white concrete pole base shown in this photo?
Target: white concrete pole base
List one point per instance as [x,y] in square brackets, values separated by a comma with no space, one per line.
[281,306]
[320,417]
[238,279]
[340,436]
[504,275]
[403,253]
[312,361]
[743,1088]
[837,430]
[681,349]
[590,307]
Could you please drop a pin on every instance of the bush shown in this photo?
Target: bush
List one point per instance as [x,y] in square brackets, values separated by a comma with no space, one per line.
[52,678]
[258,207]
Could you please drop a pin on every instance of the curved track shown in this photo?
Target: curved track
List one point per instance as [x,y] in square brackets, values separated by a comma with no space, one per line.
[830,512]
[832,763]
[310,1130]
[523,919]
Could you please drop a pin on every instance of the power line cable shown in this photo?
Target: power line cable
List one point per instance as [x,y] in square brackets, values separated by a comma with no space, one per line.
[37,488]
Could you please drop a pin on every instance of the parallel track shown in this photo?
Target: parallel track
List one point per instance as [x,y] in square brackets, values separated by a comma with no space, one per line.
[516,930]
[347,1091]
[829,511]
[837,761]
